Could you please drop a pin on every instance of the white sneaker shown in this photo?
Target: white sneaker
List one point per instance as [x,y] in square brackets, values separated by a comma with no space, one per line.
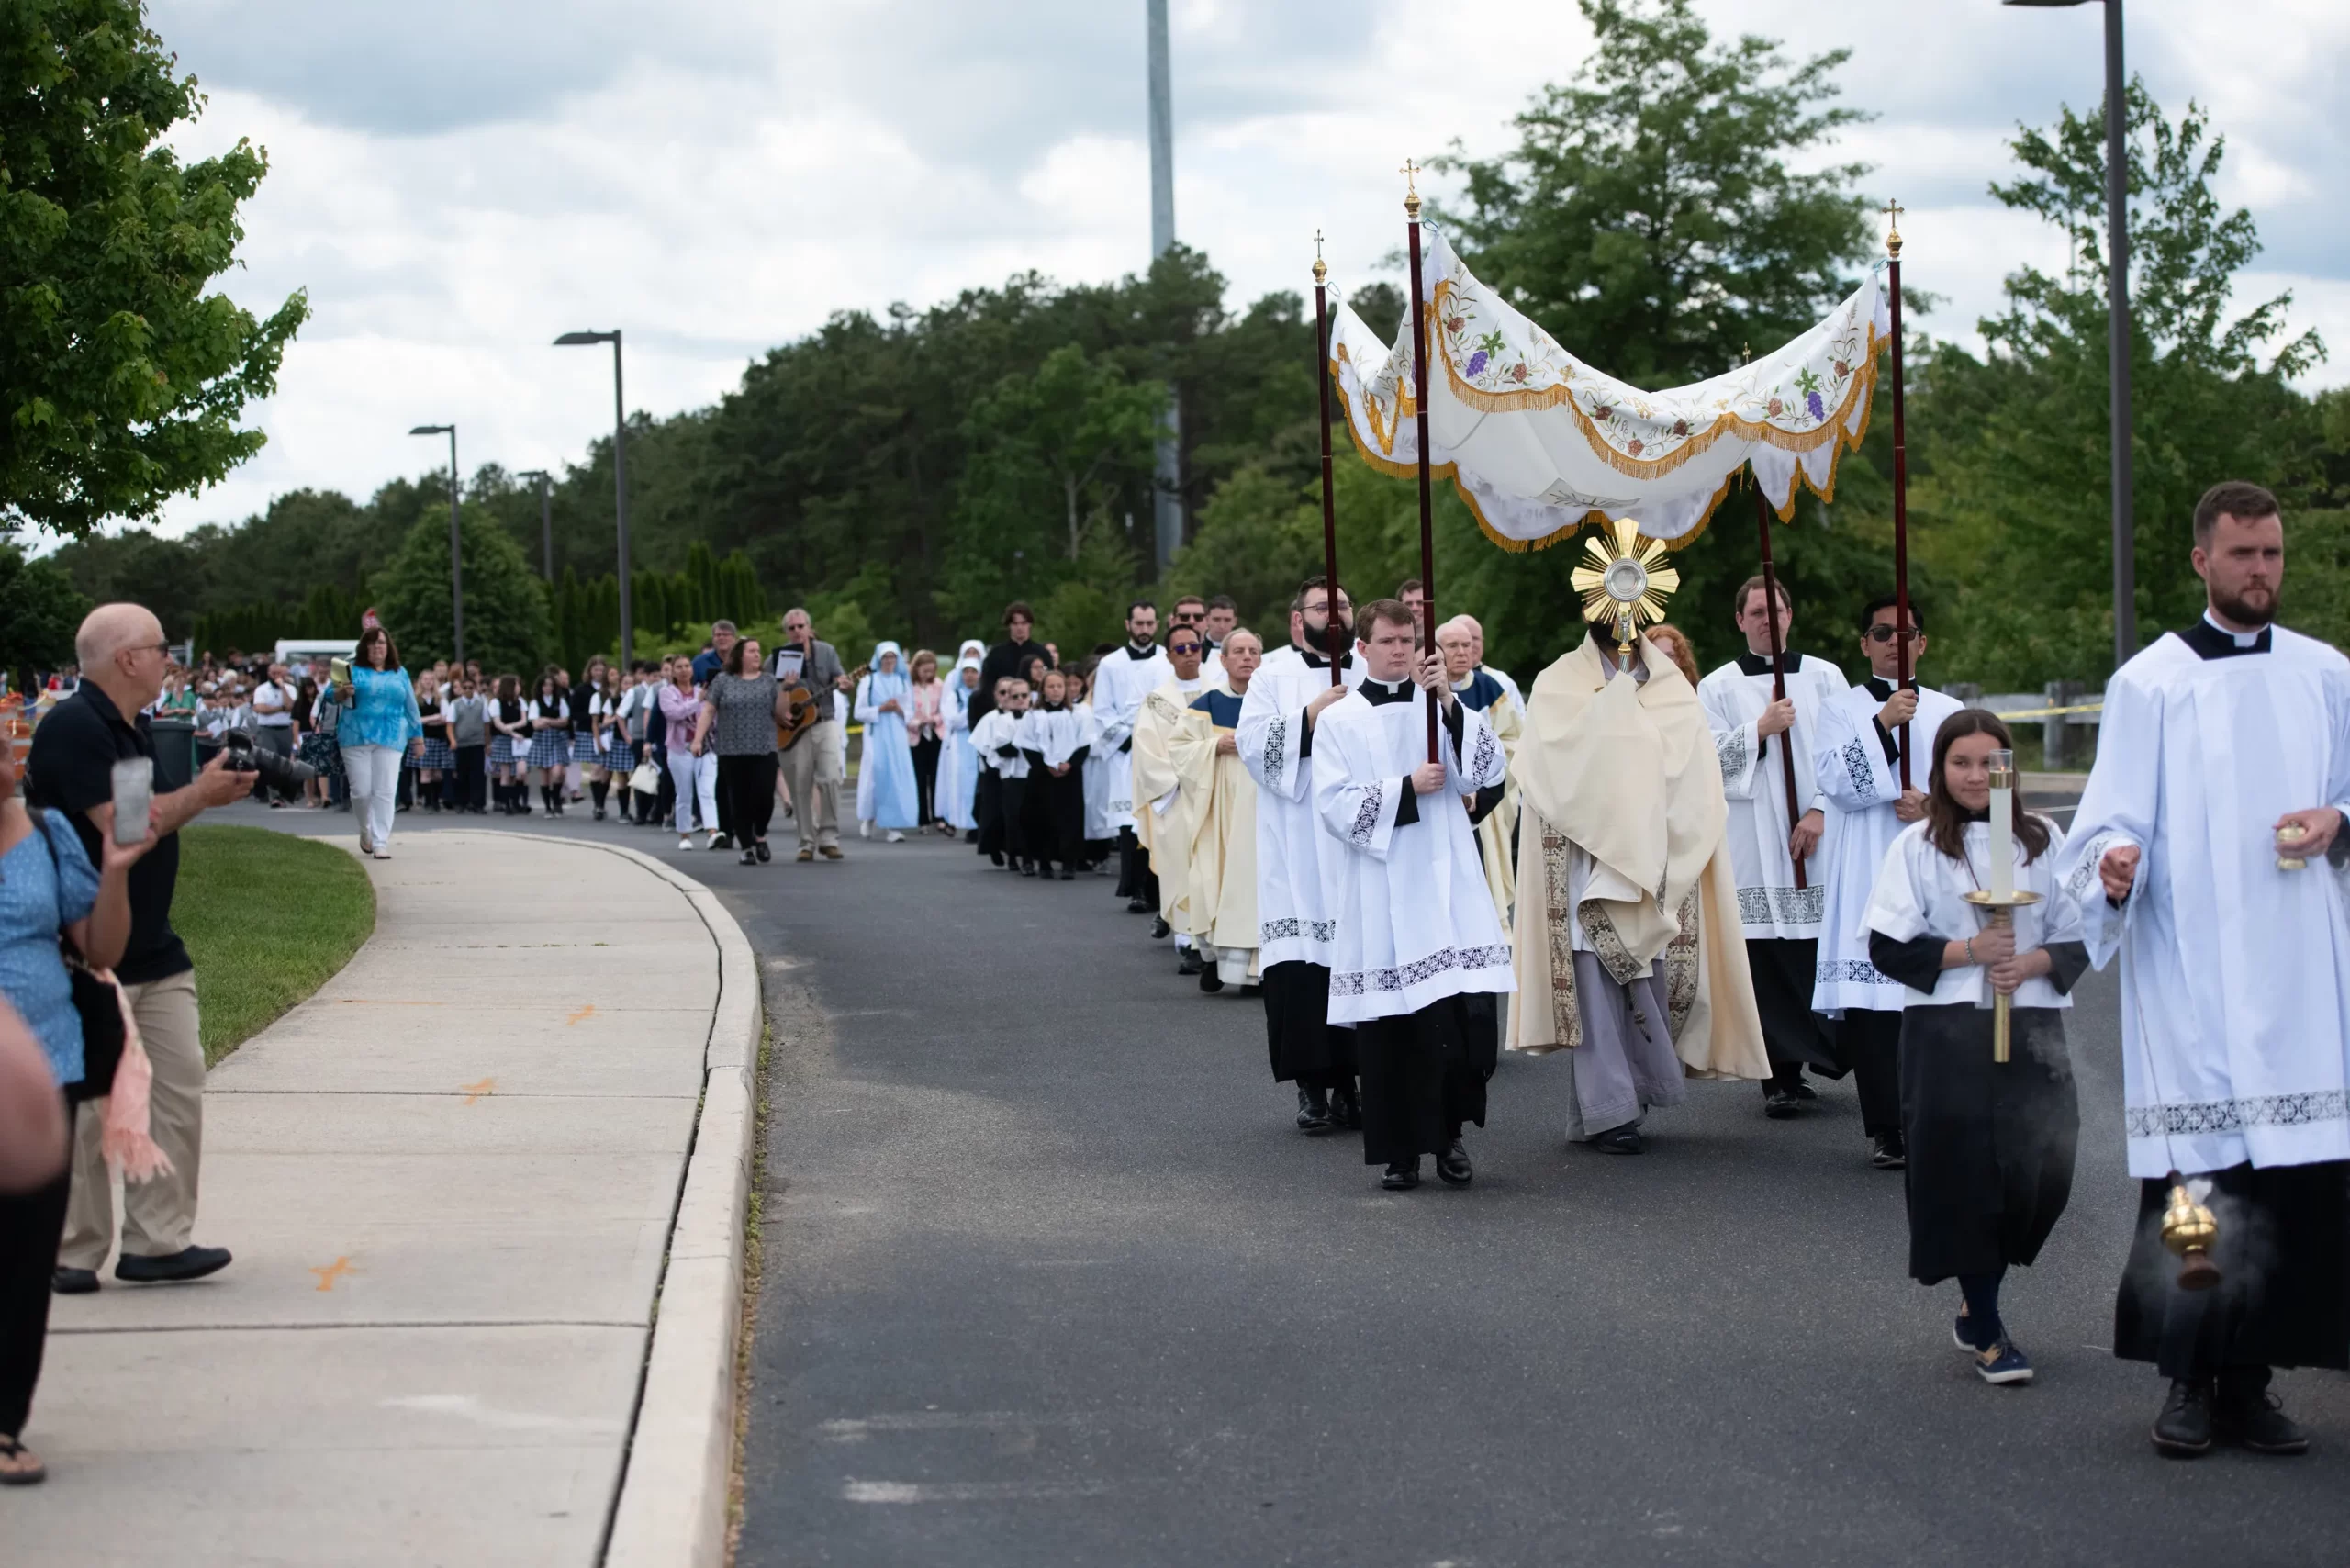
[864,829]
[893,836]
[685,841]
[382,854]
[713,840]
[366,845]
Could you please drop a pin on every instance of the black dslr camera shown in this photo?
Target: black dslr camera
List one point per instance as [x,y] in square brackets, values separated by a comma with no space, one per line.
[239,754]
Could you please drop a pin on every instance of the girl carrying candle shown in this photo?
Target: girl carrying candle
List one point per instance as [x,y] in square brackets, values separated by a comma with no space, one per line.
[1990,1144]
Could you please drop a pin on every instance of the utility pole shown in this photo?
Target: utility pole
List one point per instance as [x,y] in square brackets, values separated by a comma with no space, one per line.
[1168,486]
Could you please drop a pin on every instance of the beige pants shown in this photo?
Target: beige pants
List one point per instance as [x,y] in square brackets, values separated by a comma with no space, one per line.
[159,1217]
[814,768]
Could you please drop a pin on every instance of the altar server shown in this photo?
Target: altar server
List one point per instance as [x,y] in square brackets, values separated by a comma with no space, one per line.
[1220,863]
[886,774]
[1857,764]
[1781,920]
[1990,1143]
[1629,960]
[1121,681]
[1419,955]
[1458,641]
[2224,750]
[1296,918]
[1003,837]
[1163,809]
[1052,742]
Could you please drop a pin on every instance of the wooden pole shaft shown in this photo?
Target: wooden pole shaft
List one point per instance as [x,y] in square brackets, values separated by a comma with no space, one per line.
[1428,524]
[1332,634]
[1778,663]
[1900,514]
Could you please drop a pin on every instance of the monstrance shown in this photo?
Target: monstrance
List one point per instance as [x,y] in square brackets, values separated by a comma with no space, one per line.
[1625,582]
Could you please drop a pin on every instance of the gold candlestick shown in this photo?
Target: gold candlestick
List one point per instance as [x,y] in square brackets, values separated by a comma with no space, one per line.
[2003,913]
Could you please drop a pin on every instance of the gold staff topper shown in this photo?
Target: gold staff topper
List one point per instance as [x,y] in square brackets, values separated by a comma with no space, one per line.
[1624,583]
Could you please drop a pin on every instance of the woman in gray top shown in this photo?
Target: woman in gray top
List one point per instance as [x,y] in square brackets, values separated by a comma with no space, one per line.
[738,721]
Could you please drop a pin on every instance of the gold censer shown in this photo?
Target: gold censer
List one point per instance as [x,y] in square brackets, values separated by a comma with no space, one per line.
[2190,1230]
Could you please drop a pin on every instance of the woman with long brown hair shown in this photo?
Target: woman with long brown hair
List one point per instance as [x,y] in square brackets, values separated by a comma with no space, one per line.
[1990,1144]
[375,731]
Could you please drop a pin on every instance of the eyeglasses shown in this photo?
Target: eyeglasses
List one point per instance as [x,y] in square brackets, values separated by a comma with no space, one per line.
[1881,632]
[150,648]
[1184,647]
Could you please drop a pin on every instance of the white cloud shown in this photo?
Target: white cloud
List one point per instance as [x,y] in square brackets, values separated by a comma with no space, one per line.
[456,183]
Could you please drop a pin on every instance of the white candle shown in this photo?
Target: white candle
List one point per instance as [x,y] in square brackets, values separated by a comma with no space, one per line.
[2003,809]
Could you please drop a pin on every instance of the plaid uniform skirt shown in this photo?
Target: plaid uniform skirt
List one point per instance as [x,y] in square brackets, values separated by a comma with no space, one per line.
[501,751]
[437,755]
[550,748]
[583,749]
[620,753]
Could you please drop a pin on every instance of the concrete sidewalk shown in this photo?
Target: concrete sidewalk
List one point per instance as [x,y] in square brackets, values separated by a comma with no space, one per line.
[451,1180]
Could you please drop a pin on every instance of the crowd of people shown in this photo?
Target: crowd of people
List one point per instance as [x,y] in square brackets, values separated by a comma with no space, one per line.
[1651,877]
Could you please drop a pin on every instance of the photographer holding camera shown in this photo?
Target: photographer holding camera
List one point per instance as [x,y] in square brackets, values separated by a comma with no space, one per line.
[122,654]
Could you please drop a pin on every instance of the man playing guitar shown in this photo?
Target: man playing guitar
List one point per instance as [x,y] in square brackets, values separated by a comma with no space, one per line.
[814,752]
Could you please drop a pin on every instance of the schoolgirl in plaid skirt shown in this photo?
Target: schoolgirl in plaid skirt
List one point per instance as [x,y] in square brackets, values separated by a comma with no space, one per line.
[550,741]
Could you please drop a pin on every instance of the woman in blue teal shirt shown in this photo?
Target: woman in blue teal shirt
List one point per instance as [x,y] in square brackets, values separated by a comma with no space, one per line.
[379,720]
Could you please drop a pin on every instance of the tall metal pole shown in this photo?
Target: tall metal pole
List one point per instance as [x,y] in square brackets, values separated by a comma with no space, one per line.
[2116,223]
[1420,394]
[619,492]
[1901,482]
[1330,632]
[1778,660]
[546,523]
[456,559]
[1167,512]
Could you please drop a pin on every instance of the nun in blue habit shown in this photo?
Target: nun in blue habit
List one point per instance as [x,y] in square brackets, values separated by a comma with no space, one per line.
[888,760]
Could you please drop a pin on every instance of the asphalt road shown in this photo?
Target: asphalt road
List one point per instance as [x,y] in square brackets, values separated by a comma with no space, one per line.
[1051,1278]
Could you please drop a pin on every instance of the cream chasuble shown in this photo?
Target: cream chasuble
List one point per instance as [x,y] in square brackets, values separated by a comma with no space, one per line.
[1162,814]
[1221,864]
[1623,854]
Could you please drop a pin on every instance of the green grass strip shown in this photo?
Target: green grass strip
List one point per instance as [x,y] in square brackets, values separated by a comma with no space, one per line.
[268,918]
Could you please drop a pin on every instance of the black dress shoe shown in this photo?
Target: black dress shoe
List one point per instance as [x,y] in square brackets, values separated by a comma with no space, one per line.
[1402,1175]
[73,1282]
[187,1263]
[996,855]
[1210,982]
[2184,1428]
[1625,1139]
[1027,870]
[1888,1153]
[1312,1111]
[1803,1091]
[1346,1107]
[723,841]
[1160,928]
[1068,875]
[2245,1413]
[760,849]
[1188,962]
[1780,1104]
[1452,1164]
[1138,906]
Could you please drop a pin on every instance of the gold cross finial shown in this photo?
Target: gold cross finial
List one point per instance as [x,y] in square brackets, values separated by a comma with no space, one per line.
[1411,173]
[1320,272]
[1893,229]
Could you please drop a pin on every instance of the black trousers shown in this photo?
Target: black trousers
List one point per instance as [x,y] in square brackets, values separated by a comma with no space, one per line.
[986,809]
[1783,968]
[1423,1074]
[31,1223]
[1299,1036]
[926,781]
[746,796]
[1871,1042]
[1135,879]
[1011,800]
[467,782]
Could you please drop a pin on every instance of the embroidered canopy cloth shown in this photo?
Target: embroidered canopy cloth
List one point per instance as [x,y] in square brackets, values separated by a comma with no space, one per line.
[1537,442]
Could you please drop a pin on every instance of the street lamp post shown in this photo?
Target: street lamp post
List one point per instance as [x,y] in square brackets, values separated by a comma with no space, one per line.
[456,562]
[546,481]
[619,470]
[2116,284]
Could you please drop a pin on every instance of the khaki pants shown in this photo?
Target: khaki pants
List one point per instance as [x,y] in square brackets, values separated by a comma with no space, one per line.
[159,1217]
[814,767]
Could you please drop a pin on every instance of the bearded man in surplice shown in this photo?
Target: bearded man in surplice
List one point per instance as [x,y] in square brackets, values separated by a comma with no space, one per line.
[1630,958]
[2213,827]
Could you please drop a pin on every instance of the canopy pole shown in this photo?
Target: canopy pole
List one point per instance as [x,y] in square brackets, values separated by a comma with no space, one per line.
[1779,659]
[1420,394]
[1900,480]
[1332,635]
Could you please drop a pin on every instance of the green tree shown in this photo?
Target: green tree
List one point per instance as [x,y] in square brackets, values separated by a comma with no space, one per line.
[2012,499]
[124,380]
[506,608]
[1653,217]
[40,612]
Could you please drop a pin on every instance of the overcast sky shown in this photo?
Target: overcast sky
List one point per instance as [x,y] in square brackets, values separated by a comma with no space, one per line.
[457,181]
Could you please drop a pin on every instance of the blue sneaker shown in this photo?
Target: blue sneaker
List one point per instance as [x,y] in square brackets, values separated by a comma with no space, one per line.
[2002,1363]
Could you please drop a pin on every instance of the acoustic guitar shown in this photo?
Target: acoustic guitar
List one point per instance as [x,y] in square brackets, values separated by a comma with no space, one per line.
[796,706]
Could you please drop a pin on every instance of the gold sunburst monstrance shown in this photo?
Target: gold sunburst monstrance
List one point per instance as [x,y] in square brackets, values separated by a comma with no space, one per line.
[1624,583]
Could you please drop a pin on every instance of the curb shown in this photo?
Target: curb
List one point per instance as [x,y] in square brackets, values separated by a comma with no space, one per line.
[671,1512]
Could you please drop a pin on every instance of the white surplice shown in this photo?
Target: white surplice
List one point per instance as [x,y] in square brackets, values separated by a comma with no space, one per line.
[2235,976]
[1415,919]
[1296,922]
[1921,891]
[1769,902]
[1096,769]
[1121,681]
[1851,765]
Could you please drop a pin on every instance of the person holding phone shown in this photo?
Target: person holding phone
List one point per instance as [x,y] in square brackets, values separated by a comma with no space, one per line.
[123,656]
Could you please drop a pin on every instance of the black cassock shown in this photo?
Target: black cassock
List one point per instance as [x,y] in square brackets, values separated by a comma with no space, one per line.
[1990,1143]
